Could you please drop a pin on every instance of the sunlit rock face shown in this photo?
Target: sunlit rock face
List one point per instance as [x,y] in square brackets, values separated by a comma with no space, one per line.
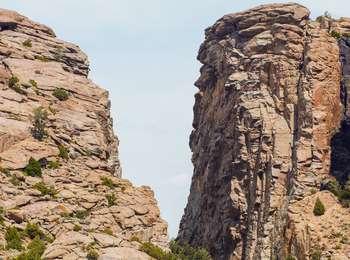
[267,135]
[80,203]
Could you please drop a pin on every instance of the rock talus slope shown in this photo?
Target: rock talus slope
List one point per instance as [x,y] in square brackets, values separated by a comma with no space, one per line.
[80,203]
[270,125]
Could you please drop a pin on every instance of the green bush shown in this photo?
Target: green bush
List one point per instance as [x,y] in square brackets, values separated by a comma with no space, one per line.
[53,165]
[108,182]
[33,83]
[27,43]
[5,171]
[2,213]
[33,231]
[76,228]
[336,35]
[33,168]
[42,58]
[108,231]
[156,252]
[342,192]
[39,123]
[92,254]
[15,181]
[111,199]
[187,252]
[319,208]
[63,152]
[13,239]
[45,190]
[290,257]
[34,251]
[178,252]
[13,81]
[13,84]
[60,94]
[81,214]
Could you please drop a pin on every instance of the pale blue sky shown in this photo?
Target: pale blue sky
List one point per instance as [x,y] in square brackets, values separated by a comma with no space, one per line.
[144,53]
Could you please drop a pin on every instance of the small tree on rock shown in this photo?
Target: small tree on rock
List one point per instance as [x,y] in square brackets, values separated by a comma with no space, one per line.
[319,208]
[39,123]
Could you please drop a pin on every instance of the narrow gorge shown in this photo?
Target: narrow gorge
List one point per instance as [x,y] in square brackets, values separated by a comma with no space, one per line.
[270,138]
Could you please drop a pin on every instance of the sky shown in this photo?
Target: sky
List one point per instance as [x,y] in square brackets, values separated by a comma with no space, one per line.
[144,53]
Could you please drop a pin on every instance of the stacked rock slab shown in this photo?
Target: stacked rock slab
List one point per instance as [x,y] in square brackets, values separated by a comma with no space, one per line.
[93,208]
[268,105]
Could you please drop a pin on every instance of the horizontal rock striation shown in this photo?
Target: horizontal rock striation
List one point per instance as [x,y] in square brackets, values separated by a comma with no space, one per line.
[80,201]
[272,97]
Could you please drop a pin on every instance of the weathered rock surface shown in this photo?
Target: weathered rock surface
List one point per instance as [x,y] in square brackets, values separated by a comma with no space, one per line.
[90,206]
[273,93]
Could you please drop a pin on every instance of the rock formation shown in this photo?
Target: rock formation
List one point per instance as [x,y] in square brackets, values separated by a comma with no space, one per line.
[271,121]
[60,172]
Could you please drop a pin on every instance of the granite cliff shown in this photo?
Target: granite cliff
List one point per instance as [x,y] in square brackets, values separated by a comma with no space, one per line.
[60,178]
[271,137]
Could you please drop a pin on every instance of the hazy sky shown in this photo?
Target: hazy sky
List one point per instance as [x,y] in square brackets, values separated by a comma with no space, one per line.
[144,53]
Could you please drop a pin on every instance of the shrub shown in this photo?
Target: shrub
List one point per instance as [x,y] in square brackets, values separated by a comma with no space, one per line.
[183,252]
[342,192]
[336,34]
[2,213]
[319,208]
[111,199]
[81,214]
[35,250]
[5,171]
[13,238]
[63,152]
[108,182]
[13,84]
[14,180]
[39,123]
[76,228]
[290,257]
[108,231]
[92,254]
[33,83]
[53,165]
[27,43]
[60,94]
[13,81]
[33,168]
[187,252]
[45,190]
[42,58]
[33,231]
[156,252]
[316,255]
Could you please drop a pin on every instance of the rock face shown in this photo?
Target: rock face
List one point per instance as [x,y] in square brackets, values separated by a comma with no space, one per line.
[270,126]
[80,202]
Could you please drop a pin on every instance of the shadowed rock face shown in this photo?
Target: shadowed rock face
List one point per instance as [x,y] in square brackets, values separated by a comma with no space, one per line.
[92,206]
[270,101]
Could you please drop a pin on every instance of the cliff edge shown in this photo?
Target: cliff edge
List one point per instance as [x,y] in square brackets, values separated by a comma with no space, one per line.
[61,192]
[270,137]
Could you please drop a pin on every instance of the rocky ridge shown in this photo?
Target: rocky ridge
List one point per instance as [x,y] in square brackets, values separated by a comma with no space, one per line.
[80,203]
[270,131]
